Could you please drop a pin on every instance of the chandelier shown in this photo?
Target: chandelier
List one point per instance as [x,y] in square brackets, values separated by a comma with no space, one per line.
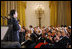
[39,12]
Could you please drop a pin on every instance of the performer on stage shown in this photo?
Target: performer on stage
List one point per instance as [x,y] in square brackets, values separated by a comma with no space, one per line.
[14,33]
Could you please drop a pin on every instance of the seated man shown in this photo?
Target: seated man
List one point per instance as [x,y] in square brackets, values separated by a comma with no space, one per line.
[62,43]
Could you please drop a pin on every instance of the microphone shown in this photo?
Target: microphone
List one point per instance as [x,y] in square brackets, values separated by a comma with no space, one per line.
[4,17]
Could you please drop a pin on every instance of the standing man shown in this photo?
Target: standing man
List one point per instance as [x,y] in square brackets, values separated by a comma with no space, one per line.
[14,33]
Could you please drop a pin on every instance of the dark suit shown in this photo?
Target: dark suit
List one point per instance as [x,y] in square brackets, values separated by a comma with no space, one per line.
[11,39]
[62,43]
[34,37]
[14,32]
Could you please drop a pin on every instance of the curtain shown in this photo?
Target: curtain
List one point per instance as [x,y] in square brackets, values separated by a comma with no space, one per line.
[60,13]
[53,12]
[20,6]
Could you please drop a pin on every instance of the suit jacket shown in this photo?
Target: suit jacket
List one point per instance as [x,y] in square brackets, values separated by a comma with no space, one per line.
[62,43]
[13,33]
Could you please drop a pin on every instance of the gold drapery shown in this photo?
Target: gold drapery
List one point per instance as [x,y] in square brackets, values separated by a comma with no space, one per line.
[60,13]
[21,12]
[20,6]
[68,13]
[53,12]
[3,12]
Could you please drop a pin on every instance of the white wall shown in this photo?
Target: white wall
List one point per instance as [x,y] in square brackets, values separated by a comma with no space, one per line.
[31,17]
[4,30]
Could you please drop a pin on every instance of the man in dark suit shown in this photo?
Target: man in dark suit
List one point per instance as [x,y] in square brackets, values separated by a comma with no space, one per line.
[11,39]
[14,33]
[62,43]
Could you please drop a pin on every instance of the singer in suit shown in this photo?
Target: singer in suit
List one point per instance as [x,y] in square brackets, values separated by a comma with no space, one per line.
[14,33]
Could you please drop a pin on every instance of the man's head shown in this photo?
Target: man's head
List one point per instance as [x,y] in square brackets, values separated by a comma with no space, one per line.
[35,29]
[30,26]
[49,33]
[13,13]
[63,33]
[53,32]
[65,26]
[59,33]
[43,31]
[61,25]
[47,30]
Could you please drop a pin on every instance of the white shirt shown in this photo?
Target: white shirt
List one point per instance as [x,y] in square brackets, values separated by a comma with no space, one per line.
[31,30]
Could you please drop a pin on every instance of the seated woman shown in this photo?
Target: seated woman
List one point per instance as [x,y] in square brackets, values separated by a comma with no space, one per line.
[27,36]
